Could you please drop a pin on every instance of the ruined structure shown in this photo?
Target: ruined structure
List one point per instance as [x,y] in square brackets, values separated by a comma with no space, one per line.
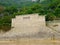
[28,24]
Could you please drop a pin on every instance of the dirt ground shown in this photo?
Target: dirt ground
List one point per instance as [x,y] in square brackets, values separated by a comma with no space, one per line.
[30,42]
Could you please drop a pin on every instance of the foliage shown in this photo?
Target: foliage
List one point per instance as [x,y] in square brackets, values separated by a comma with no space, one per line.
[50,17]
[5,23]
[16,3]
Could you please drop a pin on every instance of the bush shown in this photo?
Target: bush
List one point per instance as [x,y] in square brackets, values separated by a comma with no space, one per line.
[50,17]
[5,23]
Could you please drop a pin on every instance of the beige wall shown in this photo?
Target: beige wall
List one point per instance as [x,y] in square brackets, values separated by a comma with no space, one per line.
[29,24]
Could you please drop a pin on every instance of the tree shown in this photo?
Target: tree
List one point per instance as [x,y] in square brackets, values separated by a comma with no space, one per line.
[11,10]
[57,11]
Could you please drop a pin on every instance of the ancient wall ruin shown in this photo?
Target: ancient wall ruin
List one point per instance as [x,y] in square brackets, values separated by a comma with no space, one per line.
[28,24]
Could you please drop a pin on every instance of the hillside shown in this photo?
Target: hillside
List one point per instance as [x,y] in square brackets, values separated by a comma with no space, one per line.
[17,3]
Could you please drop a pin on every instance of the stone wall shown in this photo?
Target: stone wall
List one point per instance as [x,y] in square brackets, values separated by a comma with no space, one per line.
[28,24]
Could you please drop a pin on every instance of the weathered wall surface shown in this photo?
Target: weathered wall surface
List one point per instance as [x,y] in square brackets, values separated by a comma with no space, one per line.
[29,24]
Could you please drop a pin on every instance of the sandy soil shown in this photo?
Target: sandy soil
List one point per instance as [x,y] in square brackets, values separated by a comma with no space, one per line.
[30,42]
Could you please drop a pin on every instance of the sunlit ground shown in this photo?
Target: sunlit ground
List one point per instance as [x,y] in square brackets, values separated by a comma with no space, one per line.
[30,42]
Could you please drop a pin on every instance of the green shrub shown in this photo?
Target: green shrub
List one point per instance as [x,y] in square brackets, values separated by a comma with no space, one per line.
[50,17]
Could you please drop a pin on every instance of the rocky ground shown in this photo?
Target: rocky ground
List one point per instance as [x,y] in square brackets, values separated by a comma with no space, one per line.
[43,34]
